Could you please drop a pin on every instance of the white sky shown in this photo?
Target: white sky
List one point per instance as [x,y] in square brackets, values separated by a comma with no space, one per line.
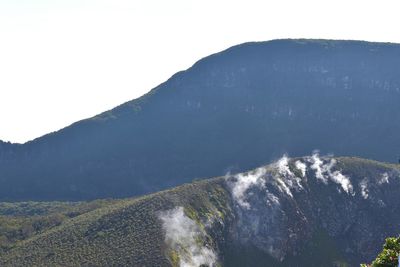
[65,60]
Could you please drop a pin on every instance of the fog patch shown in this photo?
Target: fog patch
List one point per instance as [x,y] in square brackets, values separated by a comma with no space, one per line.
[383,179]
[272,199]
[323,172]
[286,179]
[302,167]
[283,187]
[283,166]
[343,180]
[364,188]
[280,176]
[321,169]
[184,236]
[242,182]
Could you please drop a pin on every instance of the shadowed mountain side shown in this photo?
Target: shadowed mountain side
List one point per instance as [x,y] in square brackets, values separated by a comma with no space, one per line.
[232,111]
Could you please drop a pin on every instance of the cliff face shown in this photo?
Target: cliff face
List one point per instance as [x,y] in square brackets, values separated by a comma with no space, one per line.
[310,211]
[340,209]
[232,111]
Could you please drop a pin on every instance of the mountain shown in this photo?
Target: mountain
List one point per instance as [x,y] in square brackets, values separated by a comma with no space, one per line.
[310,211]
[232,111]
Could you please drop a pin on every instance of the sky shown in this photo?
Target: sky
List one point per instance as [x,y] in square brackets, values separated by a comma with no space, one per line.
[66,60]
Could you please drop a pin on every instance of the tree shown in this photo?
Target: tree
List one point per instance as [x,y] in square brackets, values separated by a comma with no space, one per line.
[389,255]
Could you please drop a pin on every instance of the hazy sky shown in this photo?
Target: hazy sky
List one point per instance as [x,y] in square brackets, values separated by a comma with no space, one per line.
[65,60]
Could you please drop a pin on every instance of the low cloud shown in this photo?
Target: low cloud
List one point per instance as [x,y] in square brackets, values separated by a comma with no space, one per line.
[323,172]
[184,236]
[364,188]
[283,166]
[285,180]
[343,180]
[384,179]
[301,167]
[242,182]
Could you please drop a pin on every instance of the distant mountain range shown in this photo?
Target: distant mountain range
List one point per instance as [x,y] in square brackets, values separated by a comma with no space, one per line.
[230,112]
[309,211]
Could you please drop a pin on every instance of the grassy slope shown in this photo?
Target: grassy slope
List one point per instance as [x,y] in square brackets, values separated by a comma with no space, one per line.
[127,233]
[22,220]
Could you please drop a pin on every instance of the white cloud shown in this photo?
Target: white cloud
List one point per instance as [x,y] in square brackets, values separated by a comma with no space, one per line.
[323,172]
[283,187]
[364,188]
[243,181]
[182,234]
[285,180]
[283,166]
[301,167]
[384,179]
[319,168]
[343,180]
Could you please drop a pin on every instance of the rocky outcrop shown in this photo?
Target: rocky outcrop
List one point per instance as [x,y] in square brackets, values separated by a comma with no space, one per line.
[280,208]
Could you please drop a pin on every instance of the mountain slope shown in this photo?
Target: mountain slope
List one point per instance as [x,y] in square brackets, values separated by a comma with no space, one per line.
[232,111]
[310,211]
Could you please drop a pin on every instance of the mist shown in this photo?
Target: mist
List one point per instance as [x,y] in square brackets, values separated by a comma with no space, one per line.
[184,237]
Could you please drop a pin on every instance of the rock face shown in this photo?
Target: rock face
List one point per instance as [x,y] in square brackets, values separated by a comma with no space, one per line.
[354,202]
[232,111]
[309,211]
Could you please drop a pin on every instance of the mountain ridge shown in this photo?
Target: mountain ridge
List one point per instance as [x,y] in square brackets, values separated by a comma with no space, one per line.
[103,114]
[295,96]
[274,215]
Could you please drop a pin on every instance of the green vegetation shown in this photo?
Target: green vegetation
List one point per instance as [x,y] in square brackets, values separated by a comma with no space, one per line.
[112,232]
[389,255]
[365,167]
[321,250]
[22,220]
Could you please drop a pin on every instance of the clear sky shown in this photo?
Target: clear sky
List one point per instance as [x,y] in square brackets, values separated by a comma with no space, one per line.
[66,60]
